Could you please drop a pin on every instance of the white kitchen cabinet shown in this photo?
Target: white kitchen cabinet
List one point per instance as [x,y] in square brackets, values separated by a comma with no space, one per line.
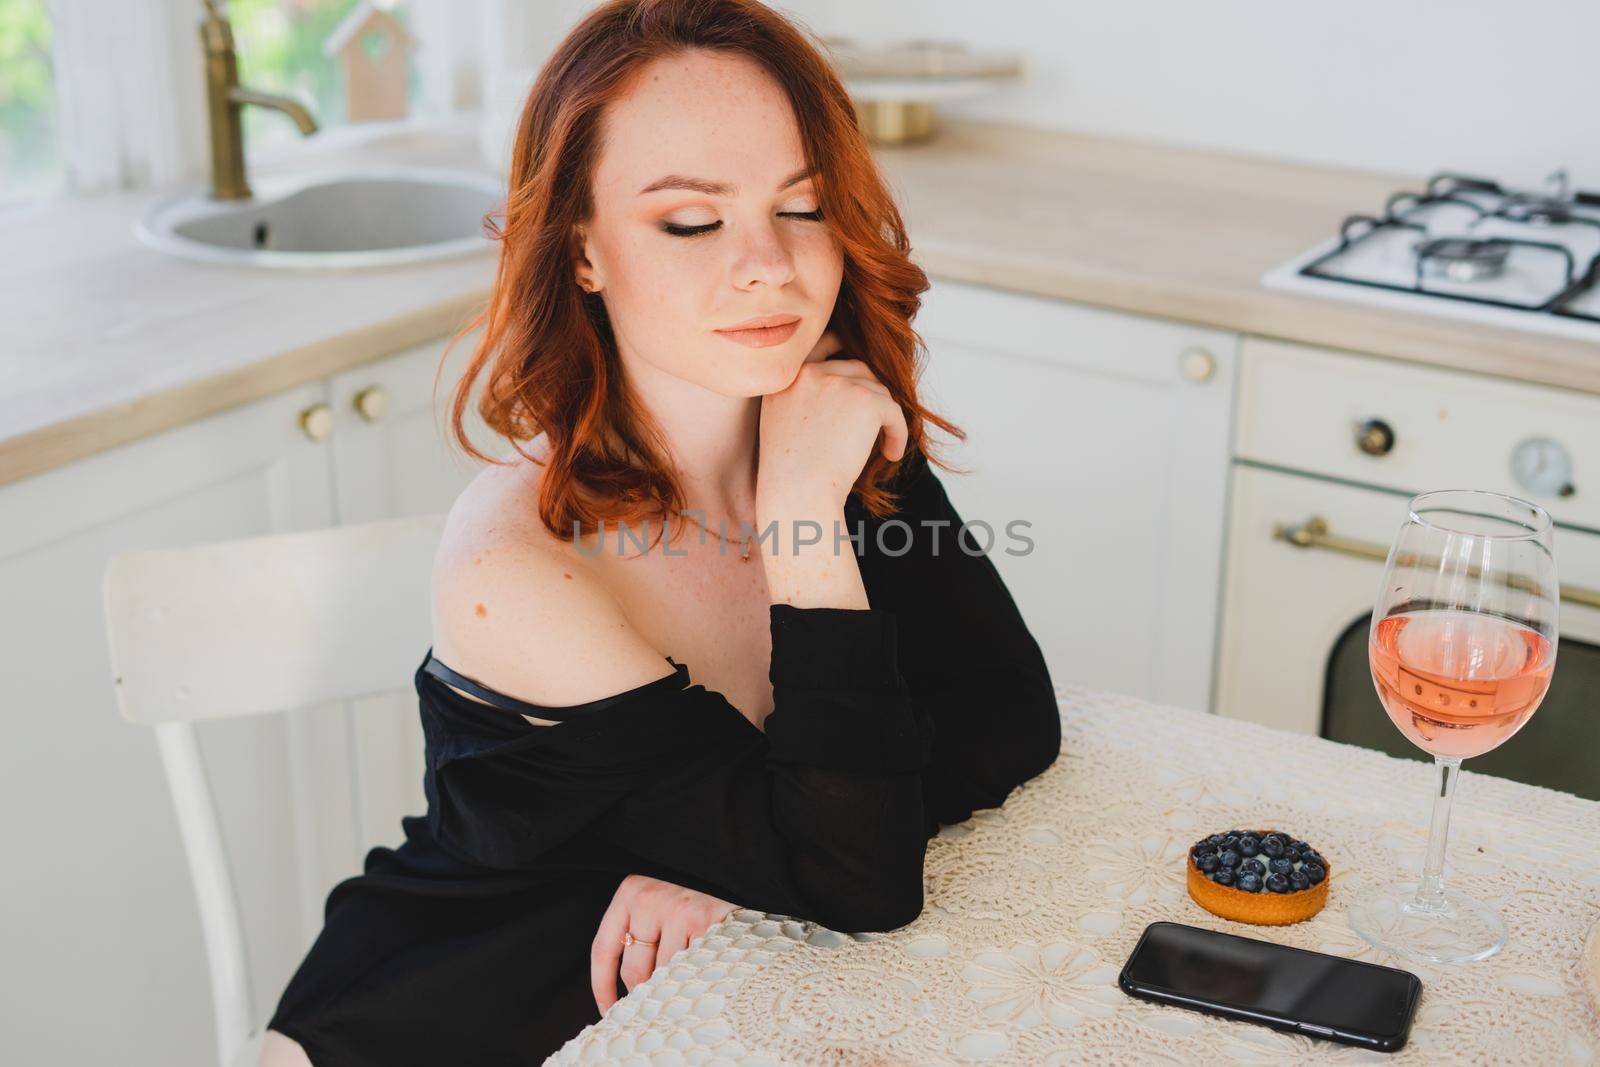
[393,455]
[1107,432]
[105,960]
[103,950]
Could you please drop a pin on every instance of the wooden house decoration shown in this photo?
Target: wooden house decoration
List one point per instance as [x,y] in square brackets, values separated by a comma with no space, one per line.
[375,50]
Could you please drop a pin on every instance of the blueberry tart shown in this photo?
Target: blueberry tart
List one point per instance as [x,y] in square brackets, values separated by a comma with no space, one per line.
[1258,876]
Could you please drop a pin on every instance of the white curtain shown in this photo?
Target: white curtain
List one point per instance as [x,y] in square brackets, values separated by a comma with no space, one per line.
[130,92]
[130,84]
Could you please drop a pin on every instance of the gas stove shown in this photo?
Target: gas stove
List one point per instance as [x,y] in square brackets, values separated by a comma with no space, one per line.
[1467,248]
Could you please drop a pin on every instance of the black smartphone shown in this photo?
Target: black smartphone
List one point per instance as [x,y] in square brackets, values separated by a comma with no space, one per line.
[1294,989]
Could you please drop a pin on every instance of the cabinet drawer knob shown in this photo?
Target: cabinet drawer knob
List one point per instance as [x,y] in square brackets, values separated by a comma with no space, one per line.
[372,402]
[317,421]
[1375,437]
[1198,365]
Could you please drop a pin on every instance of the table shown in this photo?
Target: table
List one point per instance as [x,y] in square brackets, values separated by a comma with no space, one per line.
[1032,908]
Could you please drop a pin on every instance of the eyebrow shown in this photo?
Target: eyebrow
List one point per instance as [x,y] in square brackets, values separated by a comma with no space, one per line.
[710,188]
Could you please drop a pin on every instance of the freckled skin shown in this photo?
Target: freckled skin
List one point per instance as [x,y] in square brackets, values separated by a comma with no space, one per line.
[480,611]
[721,118]
[724,119]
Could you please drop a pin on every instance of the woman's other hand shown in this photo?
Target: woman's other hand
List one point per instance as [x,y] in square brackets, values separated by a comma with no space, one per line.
[653,910]
[817,434]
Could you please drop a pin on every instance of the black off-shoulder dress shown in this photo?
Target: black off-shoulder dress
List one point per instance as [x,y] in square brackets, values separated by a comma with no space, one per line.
[469,943]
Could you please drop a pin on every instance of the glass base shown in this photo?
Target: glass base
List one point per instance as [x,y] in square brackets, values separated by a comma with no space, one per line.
[1460,931]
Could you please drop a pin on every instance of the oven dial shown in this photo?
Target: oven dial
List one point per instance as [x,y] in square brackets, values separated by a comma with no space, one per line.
[1374,437]
[1543,466]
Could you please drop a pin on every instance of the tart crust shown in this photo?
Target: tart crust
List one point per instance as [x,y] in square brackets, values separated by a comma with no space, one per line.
[1264,908]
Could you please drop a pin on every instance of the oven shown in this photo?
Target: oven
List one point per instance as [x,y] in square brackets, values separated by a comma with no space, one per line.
[1328,449]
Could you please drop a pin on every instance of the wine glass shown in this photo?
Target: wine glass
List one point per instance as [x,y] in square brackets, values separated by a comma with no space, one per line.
[1462,646]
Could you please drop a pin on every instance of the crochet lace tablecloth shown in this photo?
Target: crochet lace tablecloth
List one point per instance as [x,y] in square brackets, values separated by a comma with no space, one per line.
[1032,908]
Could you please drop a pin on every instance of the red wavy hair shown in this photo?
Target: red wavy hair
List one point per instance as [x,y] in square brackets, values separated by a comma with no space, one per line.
[548,347]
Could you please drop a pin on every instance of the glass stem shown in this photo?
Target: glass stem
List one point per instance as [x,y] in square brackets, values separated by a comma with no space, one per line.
[1430,890]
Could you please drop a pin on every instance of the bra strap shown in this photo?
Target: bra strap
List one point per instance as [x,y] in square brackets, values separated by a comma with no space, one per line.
[678,679]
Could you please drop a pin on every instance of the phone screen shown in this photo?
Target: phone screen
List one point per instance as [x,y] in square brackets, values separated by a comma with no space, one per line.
[1288,988]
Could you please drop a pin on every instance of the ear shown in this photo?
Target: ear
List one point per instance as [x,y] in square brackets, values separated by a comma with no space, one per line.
[585,272]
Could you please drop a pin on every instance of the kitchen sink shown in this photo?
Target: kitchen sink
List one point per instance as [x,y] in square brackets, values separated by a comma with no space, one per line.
[371,217]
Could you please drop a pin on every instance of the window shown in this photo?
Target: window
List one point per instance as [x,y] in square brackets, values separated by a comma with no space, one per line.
[30,157]
[101,95]
[282,47]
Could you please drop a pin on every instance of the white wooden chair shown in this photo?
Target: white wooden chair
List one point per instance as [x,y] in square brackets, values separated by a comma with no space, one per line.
[264,624]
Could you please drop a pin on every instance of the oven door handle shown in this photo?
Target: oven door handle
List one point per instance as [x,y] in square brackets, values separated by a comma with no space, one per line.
[1313,533]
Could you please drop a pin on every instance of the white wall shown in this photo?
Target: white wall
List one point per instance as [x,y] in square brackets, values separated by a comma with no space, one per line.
[1510,90]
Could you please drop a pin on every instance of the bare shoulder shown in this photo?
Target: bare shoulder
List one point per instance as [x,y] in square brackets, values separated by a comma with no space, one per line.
[280,1050]
[519,610]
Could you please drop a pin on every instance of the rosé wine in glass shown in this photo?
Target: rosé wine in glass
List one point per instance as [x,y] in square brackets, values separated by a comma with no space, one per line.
[1462,646]
[1458,683]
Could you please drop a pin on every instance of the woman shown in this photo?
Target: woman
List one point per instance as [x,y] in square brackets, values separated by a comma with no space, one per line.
[686,173]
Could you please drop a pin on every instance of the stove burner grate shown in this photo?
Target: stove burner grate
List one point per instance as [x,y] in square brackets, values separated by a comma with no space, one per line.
[1539,210]
[1465,258]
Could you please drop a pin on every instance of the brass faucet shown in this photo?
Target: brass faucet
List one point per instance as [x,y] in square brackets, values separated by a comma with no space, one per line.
[225,98]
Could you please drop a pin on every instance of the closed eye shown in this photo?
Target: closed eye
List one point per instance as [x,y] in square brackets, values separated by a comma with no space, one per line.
[695,231]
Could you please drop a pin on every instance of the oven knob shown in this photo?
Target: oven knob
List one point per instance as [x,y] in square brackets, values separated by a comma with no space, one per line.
[1374,437]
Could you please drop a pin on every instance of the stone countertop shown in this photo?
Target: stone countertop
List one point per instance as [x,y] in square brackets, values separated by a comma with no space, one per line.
[1180,234]
[108,341]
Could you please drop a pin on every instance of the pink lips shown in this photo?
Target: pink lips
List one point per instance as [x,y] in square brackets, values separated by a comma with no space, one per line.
[763,332]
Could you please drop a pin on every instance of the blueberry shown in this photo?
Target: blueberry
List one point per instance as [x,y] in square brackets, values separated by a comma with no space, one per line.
[1277,883]
[1250,883]
[1208,862]
[1310,855]
[1292,853]
[1281,865]
[1230,840]
[1272,846]
[1255,867]
[1214,839]
[1222,876]
[1314,872]
[1248,845]
[1299,879]
[1300,846]
[1229,858]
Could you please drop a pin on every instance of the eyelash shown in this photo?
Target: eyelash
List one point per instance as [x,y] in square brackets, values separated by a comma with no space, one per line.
[699,231]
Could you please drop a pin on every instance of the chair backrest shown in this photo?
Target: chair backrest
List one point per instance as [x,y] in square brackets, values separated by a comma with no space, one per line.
[244,627]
